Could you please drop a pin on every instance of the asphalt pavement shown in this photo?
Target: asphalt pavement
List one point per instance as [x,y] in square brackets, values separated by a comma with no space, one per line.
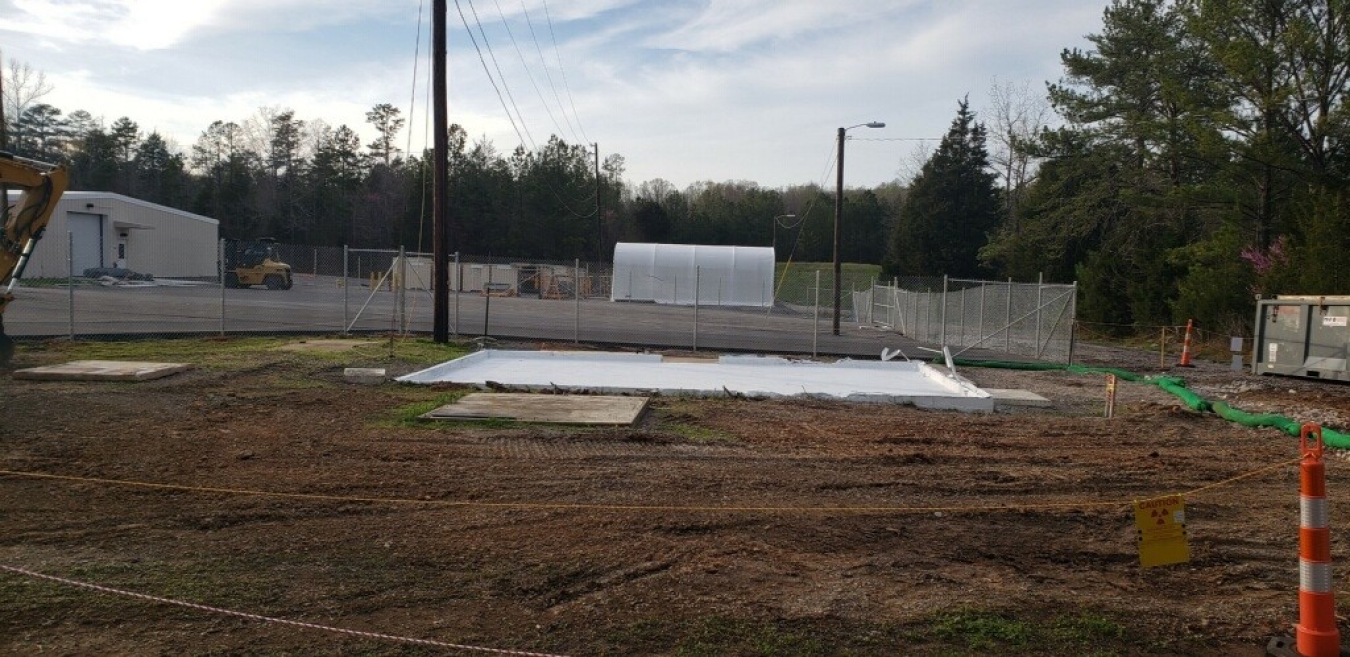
[321,305]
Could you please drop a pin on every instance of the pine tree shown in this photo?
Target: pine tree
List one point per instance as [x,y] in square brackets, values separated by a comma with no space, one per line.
[952,206]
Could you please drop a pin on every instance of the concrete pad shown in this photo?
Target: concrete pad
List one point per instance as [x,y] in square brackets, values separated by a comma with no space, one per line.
[365,375]
[553,409]
[102,370]
[325,346]
[1005,397]
[752,376]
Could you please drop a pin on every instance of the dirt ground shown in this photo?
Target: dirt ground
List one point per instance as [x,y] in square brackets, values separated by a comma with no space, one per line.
[694,566]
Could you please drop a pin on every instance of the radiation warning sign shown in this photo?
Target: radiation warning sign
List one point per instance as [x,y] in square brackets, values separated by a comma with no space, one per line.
[1162,531]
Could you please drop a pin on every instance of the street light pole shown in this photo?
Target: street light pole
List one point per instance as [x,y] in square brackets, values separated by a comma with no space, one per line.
[839,214]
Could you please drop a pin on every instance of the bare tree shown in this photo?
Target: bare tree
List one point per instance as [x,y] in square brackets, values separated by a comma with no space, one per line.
[23,87]
[1016,114]
[912,164]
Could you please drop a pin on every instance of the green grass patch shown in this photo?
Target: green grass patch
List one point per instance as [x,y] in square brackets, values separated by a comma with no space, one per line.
[211,352]
[682,417]
[408,415]
[714,636]
[980,630]
[795,283]
[231,353]
[408,350]
[230,584]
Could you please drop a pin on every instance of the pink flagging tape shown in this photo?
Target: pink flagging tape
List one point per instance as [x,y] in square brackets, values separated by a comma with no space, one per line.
[268,619]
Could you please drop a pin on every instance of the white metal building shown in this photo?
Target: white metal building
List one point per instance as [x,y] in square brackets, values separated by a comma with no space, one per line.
[111,230]
[670,273]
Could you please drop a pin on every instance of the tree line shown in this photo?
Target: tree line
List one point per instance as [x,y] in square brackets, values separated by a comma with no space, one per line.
[1194,156]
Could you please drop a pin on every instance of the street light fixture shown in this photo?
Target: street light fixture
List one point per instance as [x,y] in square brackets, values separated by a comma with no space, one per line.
[775,232]
[839,212]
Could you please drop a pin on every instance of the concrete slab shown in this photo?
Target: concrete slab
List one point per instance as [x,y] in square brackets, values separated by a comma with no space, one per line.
[365,375]
[326,346]
[1006,397]
[553,409]
[102,370]
[753,376]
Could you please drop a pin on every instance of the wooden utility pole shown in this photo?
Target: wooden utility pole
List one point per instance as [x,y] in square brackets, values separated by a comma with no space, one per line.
[838,219]
[441,185]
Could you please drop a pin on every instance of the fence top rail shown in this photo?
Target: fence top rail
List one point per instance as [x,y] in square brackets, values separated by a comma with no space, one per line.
[988,282]
[389,251]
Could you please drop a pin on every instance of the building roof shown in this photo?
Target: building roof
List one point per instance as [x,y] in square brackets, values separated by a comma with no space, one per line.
[135,201]
[89,196]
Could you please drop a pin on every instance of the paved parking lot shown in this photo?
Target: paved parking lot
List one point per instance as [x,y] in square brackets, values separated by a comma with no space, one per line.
[321,305]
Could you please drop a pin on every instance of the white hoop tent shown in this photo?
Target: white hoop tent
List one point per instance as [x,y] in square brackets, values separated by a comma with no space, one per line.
[666,273]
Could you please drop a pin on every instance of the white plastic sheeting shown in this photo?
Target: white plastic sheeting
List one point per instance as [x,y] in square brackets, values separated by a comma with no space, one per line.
[685,274]
[754,376]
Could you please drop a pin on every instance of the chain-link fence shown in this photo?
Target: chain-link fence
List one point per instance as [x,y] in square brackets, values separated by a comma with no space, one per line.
[1028,319]
[263,288]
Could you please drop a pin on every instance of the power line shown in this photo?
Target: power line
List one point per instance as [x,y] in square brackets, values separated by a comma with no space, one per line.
[852,138]
[500,75]
[545,63]
[412,114]
[526,66]
[830,163]
[512,119]
[558,54]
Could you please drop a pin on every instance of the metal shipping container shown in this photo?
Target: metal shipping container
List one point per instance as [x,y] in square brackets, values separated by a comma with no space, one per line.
[1305,336]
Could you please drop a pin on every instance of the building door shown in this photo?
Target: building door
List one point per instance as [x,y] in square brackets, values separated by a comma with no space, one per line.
[87,251]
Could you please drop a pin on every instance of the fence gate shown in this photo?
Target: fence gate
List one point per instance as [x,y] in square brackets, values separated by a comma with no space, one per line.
[1027,319]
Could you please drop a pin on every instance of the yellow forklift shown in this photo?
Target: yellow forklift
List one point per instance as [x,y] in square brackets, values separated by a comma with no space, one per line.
[255,262]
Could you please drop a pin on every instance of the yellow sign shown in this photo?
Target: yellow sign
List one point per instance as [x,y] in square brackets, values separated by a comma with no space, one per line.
[1162,531]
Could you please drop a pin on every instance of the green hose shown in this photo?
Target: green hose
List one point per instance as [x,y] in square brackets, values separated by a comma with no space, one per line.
[1176,386]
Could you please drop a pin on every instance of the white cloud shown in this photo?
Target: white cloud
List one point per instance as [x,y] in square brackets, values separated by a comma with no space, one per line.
[684,89]
[729,25]
[139,24]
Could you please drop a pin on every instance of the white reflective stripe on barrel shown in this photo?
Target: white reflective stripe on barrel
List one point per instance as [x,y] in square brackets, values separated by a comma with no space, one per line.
[1314,577]
[1313,512]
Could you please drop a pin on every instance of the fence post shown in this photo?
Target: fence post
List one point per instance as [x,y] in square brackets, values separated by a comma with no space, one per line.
[487,298]
[963,318]
[914,316]
[943,335]
[696,284]
[316,262]
[402,290]
[1007,325]
[459,283]
[576,296]
[815,321]
[1073,320]
[346,283]
[70,281]
[928,315]
[983,288]
[1040,290]
[222,287]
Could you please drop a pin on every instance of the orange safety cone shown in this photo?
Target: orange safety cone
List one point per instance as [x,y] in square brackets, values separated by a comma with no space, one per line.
[1186,346]
[1317,634]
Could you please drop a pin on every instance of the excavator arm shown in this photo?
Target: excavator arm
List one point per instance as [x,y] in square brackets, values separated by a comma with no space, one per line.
[22,223]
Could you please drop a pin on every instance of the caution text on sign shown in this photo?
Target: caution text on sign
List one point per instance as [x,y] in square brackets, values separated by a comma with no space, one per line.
[1162,531]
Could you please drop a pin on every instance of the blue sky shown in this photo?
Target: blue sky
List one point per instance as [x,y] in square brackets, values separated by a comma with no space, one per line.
[685,90]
